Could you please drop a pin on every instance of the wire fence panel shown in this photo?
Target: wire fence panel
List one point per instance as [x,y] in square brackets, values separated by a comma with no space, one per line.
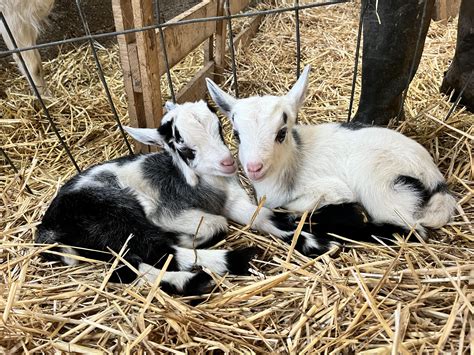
[150,113]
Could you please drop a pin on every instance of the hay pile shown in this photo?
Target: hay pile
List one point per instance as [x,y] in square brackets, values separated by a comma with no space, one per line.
[412,298]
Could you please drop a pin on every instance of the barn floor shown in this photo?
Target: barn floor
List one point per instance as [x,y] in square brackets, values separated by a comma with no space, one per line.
[414,297]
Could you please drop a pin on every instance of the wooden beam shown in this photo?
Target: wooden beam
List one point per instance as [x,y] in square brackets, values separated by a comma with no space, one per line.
[245,36]
[220,35]
[148,51]
[123,17]
[238,5]
[445,9]
[195,89]
[181,40]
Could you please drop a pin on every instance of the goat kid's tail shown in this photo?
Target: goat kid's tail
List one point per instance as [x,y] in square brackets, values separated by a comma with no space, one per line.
[439,209]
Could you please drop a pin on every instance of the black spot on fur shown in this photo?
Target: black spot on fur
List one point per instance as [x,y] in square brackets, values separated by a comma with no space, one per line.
[416,186]
[440,188]
[213,240]
[199,284]
[187,154]
[177,136]
[285,118]
[175,194]
[296,137]
[284,221]
[238,260]
[166,130]
[354,126]
[107,178]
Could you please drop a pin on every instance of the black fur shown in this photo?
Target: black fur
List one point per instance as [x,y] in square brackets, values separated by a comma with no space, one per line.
[238,260]
[103,216]
[187,154]
[296,137]
[166,130]
[216,238]
[285,118]
[354,126]
[419,188]
[199,284]
[351,221]
[348,220]
[175,194]
[102,219]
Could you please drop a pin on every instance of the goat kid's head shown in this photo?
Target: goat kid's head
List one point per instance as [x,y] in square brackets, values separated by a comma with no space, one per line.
[192,134]
[262,124]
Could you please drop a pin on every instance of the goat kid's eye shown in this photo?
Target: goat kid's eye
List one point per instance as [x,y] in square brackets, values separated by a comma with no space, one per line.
[236,135]
[186,153]
[281,135]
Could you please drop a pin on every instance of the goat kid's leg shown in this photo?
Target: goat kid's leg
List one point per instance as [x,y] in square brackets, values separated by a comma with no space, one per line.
[240,209]
[189,281]
[210,231]
[185,283]
[235,262]
[25,35]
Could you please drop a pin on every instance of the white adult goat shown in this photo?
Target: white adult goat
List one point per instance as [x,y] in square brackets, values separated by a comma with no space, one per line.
[303,167]
[24,18]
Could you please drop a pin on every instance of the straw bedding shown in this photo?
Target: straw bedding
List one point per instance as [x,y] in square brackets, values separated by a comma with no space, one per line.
[410,298]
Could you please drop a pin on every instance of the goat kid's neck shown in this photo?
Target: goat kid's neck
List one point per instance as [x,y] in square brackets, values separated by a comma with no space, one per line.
[189,174]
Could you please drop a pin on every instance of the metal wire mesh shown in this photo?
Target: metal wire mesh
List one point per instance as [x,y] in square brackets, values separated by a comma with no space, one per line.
[160,26]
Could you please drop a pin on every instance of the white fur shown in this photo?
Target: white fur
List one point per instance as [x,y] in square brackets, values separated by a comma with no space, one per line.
[214,260]
[175,278]
[188,223]
[332,164]
[24,18]
[67,259]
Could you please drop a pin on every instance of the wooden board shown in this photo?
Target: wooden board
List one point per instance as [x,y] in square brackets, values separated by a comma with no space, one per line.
[195,89]
[181,40]
[445,9]
[244,37]
[220,39]
[238,5]
[148,53]
[123,17]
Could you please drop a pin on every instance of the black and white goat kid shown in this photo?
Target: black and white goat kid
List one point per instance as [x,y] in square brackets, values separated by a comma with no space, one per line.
[160,198]
[304,167]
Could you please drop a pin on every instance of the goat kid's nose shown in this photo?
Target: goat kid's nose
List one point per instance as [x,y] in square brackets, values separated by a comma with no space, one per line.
[254,167]
[227,162]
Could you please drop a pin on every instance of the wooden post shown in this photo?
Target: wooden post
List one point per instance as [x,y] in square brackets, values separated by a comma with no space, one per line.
[445,9]
[220,43]
[143,62]
[123,16]
[148,57]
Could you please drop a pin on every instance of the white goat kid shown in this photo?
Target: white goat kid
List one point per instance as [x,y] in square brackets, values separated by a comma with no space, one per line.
[24,18]
[160,199]
[304,167]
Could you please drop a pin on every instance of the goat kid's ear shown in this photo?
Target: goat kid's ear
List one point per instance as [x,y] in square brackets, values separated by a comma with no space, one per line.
[297,93]
[223,100]
[149,136]
[170,106]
